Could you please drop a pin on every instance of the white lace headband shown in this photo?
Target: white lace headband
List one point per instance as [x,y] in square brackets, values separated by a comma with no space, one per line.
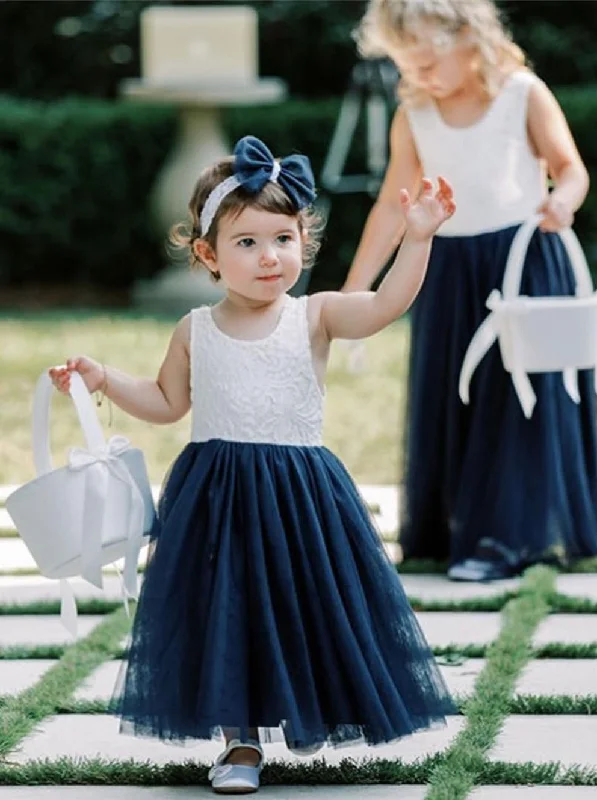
[222,190]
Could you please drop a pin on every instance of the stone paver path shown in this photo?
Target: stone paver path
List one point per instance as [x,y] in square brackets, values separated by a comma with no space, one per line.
[570,739]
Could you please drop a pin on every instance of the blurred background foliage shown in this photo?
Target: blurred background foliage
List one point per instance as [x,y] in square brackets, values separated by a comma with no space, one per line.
[77,164]
[53,48]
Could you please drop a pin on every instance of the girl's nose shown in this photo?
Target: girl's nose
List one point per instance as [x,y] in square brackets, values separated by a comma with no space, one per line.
[268,256]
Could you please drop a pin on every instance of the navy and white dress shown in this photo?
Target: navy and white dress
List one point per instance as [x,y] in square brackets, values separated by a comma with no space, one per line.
[483,478]
[270,602]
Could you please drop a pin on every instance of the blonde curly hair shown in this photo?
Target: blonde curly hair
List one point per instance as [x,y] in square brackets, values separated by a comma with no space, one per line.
[390,25]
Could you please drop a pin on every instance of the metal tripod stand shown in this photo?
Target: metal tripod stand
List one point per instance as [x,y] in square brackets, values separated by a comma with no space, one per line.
[372,91]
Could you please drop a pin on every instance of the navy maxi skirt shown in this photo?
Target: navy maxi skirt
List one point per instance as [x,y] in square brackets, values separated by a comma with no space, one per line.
[270,603]
[484,475]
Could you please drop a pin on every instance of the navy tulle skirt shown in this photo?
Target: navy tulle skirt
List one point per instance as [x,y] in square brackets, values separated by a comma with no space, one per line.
[270,603]
[484,475]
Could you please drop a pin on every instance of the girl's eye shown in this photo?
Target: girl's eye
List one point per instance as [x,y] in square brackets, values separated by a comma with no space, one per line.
[284,238]
[246,242]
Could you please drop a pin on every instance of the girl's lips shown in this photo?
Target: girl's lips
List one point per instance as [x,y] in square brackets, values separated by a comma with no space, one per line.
[269,278]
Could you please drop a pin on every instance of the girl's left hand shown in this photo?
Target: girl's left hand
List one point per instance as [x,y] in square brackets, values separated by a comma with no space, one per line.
[425,216]
[557,214]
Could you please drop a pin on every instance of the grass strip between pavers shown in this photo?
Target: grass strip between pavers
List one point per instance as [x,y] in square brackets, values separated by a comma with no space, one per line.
[524,704]
[558,604]
[103,606]
[559,704]
[69,771]
[464,759]
[457,654]
[446,655]
[93,772]
[411,567]
[89,605]
[22,712]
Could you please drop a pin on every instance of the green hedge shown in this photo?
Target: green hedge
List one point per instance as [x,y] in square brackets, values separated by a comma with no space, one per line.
[75,181]
[580,107]
[87,47]
[75,178]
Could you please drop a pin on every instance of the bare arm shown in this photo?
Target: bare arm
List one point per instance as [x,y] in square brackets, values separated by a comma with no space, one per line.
[163,400]
[385,224]
[361,314]
[551,137]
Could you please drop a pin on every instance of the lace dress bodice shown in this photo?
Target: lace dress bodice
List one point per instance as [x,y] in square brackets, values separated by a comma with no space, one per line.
[261,390]
[497,180]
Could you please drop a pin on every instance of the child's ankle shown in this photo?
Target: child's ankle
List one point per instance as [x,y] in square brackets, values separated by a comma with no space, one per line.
[244,757]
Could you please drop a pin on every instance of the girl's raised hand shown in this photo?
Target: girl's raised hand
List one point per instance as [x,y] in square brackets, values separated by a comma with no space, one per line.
[91,371]
[424,216]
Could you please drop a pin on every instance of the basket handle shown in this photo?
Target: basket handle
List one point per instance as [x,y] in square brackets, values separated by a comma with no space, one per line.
[88,420]
[517,254]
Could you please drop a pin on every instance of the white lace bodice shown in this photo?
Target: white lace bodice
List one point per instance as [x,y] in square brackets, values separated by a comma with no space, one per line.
[255,391]
[497,179]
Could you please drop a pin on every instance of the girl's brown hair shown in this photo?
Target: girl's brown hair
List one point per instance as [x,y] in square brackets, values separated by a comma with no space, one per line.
[271,198]
[389,25]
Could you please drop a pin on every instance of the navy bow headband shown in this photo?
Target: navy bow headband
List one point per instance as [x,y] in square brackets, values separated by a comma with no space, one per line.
[254,166]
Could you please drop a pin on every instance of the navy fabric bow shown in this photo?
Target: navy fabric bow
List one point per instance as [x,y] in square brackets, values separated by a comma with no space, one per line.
[253,165]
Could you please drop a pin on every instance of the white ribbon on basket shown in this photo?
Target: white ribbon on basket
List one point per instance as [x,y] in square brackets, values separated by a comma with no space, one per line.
[99,461]
[98,465]
[496,324]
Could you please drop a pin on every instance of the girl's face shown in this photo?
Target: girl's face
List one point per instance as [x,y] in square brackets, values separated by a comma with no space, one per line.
[439,70]
[259,255]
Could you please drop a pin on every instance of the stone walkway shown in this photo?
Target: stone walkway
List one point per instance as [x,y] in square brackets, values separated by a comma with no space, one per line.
[568,739]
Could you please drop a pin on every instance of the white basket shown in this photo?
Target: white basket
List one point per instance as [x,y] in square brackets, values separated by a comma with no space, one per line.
[91,512]
[537,334]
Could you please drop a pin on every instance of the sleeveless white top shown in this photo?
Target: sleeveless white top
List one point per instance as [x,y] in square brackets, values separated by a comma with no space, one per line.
[497,179]
[262,390]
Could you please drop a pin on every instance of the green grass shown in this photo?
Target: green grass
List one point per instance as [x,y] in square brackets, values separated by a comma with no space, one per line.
[22,712]
[66,771]
[17,652]
[558,603]
[103,772]
[525,704]
[553,705]
[362,418]
[102,606]
[486,710]
[40,607]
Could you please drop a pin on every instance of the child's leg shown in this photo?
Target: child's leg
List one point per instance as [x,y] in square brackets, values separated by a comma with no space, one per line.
[243,756]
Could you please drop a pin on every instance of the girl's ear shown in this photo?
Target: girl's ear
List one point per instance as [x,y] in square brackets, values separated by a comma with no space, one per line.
[204,252]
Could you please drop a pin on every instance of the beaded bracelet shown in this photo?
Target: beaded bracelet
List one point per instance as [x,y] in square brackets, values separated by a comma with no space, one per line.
[103,389]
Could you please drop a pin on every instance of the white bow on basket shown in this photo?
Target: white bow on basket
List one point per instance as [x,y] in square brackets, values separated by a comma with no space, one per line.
[89,513]
[537,334]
